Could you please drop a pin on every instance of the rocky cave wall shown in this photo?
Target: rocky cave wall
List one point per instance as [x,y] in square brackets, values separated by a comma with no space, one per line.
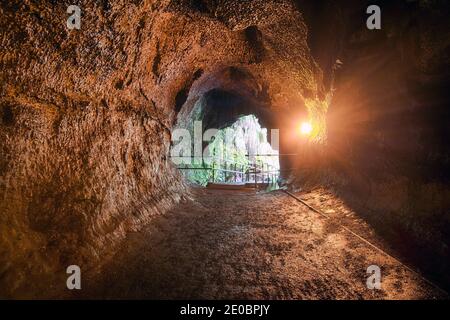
[388,121]
[86,116]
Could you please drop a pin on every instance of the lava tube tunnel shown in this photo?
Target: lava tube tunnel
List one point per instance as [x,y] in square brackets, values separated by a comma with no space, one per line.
[224,149]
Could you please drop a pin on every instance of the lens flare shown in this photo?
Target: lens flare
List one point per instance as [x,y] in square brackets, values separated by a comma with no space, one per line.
[306,128]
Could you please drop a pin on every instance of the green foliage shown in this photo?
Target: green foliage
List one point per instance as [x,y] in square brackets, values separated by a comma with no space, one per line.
[229,150]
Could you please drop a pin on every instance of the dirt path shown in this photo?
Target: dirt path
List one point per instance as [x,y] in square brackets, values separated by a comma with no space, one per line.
[242,245]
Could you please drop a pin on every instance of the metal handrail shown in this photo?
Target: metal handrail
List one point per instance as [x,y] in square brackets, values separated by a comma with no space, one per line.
[246,155]
[264,172]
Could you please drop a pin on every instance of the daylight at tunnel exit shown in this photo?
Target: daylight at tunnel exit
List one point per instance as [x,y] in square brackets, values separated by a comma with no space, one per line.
[202,151]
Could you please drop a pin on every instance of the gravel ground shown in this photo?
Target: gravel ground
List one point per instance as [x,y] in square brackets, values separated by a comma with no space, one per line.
[242,245]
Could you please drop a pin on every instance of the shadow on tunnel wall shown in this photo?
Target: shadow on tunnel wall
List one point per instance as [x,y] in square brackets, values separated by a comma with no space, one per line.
[387,153]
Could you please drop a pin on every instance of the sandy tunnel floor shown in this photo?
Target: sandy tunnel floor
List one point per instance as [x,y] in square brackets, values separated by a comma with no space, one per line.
[242,245]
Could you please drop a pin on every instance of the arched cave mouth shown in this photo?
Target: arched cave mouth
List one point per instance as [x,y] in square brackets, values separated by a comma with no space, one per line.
[238,154]
[225,137]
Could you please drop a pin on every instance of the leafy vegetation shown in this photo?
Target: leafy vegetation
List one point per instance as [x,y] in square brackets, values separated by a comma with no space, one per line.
[235,148]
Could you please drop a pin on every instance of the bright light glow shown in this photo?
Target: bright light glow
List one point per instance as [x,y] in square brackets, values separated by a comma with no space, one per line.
[306,128]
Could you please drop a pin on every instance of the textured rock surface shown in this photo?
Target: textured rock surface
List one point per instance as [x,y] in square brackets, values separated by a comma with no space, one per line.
[83,147]
[242,245]
[389,119]
[85,115]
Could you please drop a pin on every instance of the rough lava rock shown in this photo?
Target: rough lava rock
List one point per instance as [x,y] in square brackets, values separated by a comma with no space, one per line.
[86,115]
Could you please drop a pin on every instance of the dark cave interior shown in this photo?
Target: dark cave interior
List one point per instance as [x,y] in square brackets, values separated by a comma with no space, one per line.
[87,117]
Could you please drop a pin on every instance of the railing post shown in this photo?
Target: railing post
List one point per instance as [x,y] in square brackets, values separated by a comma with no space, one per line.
[256,183]
[263,173]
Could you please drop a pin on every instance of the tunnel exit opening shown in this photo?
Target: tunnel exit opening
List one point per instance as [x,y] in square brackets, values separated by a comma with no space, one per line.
[241,154]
